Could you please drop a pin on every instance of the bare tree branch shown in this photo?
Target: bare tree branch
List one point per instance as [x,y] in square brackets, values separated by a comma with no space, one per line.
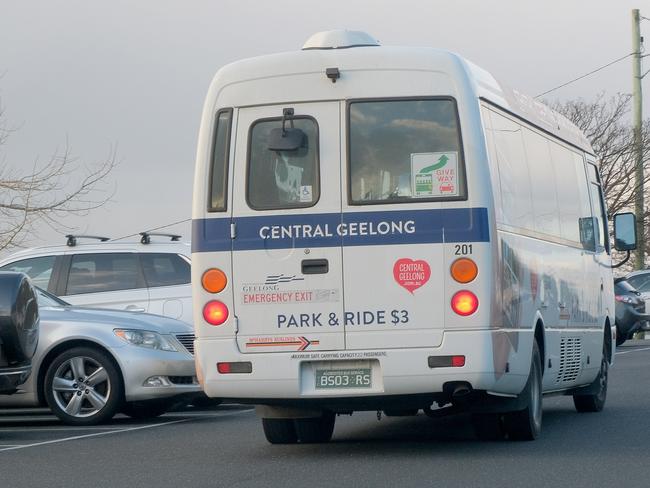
[50,192]
[606,125]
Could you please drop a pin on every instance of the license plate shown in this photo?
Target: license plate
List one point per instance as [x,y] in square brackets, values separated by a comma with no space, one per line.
[343,378]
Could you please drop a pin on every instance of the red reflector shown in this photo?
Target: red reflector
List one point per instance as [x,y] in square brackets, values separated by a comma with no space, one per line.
[457,361]
[215,313]
[464,303]
[223,368]
[446,361]
[238,367]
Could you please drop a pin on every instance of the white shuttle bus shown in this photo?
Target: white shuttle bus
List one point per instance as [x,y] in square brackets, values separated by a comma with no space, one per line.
[391,229]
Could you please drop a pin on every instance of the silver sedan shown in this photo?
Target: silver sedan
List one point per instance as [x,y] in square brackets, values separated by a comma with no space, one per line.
[93,363]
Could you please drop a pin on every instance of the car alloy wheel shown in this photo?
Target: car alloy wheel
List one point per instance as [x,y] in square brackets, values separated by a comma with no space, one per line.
[83,386]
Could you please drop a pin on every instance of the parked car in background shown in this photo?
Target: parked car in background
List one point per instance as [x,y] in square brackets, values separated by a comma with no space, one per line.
[630,310]
[92,363]
[147,276]
[641,281]
[19,330]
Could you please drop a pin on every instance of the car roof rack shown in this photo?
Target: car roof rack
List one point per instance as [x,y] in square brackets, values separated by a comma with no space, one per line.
[146,237]
[72,239]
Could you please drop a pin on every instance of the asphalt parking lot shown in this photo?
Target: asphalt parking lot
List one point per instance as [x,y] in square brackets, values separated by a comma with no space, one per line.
[28,428]
[225,446]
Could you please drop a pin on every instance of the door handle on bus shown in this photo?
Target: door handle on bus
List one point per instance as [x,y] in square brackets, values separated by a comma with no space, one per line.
[135,308]
[315,266]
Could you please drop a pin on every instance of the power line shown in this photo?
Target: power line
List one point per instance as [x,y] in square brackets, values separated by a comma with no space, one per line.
[151,230]
[585,75]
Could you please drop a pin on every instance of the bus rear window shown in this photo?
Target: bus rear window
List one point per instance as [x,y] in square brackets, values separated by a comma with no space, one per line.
[280,179]
[405,151]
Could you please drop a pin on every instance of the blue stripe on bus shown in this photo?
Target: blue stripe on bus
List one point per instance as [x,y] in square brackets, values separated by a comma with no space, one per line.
[347,229]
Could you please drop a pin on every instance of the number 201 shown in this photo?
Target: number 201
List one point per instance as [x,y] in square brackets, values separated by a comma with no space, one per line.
[462,249]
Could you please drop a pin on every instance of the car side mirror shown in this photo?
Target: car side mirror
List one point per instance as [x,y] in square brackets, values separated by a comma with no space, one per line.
[625,238]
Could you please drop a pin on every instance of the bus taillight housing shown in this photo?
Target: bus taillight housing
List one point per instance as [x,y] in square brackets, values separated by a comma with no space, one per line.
[215,312]
[464,303]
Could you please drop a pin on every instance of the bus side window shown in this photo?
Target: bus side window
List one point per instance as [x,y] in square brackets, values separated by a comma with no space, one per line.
[576,223]
[547,185]
[513,173]
[598,207]
[219,162]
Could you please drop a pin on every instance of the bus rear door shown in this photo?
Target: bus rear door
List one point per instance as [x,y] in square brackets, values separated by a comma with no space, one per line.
[287,257]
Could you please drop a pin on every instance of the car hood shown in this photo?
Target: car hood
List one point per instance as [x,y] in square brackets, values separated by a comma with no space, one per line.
[116,319]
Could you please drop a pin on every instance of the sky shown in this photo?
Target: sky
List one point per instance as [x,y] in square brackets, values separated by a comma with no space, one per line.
[131,75]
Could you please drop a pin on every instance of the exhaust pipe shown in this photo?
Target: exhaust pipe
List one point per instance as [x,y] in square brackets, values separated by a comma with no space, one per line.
[461,391]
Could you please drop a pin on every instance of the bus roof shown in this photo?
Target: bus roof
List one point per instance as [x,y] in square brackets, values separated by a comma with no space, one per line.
[363,53]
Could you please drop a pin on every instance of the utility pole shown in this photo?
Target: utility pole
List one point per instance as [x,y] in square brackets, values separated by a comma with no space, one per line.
[637,41]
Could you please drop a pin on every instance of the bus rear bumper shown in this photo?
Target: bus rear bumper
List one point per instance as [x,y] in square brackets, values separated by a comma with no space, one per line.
[497,362]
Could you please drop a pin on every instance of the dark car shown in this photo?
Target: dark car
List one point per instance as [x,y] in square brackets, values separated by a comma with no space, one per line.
[19,327]
[630,310]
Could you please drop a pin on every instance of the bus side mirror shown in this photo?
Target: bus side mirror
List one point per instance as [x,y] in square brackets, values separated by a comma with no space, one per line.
[281,139]
[624,231]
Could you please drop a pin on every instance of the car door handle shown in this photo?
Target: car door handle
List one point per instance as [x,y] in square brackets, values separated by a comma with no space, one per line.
[315,266]
[135,308]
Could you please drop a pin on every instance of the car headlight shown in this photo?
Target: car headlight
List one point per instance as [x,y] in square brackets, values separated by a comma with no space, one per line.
[145,338]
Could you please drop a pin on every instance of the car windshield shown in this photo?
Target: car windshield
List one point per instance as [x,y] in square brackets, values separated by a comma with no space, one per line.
[46,299]
[641,282]
[624,287]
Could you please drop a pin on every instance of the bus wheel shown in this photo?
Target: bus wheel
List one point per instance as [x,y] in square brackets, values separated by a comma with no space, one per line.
[316,430]
[596,401]
[526,424]
[488,426]
[620,337]
[279,431]
[401,412]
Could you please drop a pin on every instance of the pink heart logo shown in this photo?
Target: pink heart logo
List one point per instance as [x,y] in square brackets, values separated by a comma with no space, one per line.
[411,274]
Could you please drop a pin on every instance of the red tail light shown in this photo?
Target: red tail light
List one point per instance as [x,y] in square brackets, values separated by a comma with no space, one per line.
[215,312]
[464,303]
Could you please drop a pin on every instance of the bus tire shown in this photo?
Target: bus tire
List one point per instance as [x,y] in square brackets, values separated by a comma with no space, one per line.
[596,401]
[526,424]
[401,412]
[316,430]
[620,337]
[488,426]
[279,431]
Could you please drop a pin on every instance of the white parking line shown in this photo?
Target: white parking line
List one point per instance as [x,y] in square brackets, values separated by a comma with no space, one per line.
[634,350]
[96,434]
[213,414]
[119,431]
[12,418]
[55,429]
